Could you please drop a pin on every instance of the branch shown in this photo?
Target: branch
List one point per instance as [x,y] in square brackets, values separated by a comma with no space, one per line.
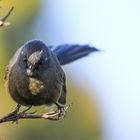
[3,19]
[16,115]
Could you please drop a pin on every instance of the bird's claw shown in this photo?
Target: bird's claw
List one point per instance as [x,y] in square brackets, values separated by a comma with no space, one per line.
[14,114]
[56,115]
[61,112]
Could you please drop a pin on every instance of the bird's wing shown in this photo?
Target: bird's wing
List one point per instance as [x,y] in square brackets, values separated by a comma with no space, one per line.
[11,63]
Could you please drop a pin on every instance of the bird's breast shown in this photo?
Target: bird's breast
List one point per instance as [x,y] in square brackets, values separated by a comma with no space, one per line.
[36,86]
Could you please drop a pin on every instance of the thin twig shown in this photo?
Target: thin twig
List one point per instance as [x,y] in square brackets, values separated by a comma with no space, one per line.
[3,19]
[16,115]
[7,15]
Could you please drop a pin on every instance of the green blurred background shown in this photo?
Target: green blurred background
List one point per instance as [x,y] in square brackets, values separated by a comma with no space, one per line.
[82,121]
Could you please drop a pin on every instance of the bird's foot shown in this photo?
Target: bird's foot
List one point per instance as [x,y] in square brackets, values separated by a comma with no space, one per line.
[61,111]
[14,114]
[58,114]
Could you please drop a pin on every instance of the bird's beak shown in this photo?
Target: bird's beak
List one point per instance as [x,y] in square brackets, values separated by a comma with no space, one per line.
[29,71]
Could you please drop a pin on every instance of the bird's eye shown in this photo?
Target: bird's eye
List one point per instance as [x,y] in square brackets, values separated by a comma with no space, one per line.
[25,59]
[40,62]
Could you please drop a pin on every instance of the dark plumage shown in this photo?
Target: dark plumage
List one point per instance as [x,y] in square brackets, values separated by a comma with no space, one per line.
[34,74]
[69,53]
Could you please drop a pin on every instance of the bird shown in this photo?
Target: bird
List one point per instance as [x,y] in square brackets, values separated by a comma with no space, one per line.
[34,74]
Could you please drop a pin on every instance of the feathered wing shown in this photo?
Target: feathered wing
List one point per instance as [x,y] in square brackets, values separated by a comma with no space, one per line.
[69,53]
[62,99]
[11,63]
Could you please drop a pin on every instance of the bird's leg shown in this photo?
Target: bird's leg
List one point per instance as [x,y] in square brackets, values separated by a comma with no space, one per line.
[14,114]
[27,109]
[61,109]
[16,110]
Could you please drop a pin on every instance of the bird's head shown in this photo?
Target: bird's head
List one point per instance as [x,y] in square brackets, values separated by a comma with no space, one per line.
[34,57]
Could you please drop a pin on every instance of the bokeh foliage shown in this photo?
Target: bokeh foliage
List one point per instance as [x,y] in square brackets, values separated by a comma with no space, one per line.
[82,121]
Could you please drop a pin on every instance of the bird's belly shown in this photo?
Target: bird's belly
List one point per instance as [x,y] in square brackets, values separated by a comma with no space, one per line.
[27,91]
[32,91]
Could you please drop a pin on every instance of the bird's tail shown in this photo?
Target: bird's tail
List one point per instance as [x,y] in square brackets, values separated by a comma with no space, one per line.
[69,53]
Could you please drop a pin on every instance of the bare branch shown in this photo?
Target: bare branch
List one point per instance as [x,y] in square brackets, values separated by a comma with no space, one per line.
[16,115]
[3,19]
